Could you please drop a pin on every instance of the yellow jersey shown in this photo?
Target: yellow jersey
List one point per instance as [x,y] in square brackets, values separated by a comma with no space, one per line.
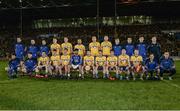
[55,60]
[89,60]
[112,61]
[106,47]
[57,47]
[123,60]
[43,60]
[101,60]
[81,49]
[67,46]
[65,59]
[136,60]
[94,48]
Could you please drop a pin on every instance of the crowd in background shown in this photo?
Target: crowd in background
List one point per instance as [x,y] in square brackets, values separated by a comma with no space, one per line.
[168,42]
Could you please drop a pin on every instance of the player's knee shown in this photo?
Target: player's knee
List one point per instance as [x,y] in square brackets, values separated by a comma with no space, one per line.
[173,71]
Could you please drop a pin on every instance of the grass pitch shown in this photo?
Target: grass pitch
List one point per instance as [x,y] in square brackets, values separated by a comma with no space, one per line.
[26,93]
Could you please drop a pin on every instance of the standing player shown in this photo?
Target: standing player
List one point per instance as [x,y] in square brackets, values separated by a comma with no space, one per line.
[100,62]
[112,61]
[55,46]
[43,65]
[117,47]
[12,68]
[88,63]
[29,65]
[44,48]
[152,67]
[129,47]
[33,49]
[155,49]
[76,62]
[142,47]
[106,46]
[65,63]
[124,65]
[80,47]
[94,46]
[55,64]
[19,49]
[137,65]
[167,66]
[67,45]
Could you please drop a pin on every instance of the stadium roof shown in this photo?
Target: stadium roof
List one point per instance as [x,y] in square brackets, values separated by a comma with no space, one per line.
[31,4]
[38,9]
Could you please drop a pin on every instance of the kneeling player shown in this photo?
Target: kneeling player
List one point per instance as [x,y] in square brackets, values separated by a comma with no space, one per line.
[43,65]
[65,63]
[88,63]
[76,62]
[111,64]
[29,65]
[137,66]
[151,66]
[100,62]
[124,65]
[12,68]
[55,63]
[167,66]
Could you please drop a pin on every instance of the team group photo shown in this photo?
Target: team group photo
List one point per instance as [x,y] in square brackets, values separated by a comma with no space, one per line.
[89,55]
[129,60]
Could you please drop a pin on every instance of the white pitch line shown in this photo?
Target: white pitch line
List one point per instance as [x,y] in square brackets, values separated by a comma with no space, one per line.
[172,84]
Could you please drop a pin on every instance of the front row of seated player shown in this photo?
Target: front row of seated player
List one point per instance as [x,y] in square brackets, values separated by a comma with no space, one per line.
[123,65]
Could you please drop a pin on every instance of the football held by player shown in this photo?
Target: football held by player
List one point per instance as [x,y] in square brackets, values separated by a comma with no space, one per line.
[137,65]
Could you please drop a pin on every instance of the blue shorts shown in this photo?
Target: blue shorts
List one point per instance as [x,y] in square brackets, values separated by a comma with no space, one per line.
[100,68]
[123,68]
